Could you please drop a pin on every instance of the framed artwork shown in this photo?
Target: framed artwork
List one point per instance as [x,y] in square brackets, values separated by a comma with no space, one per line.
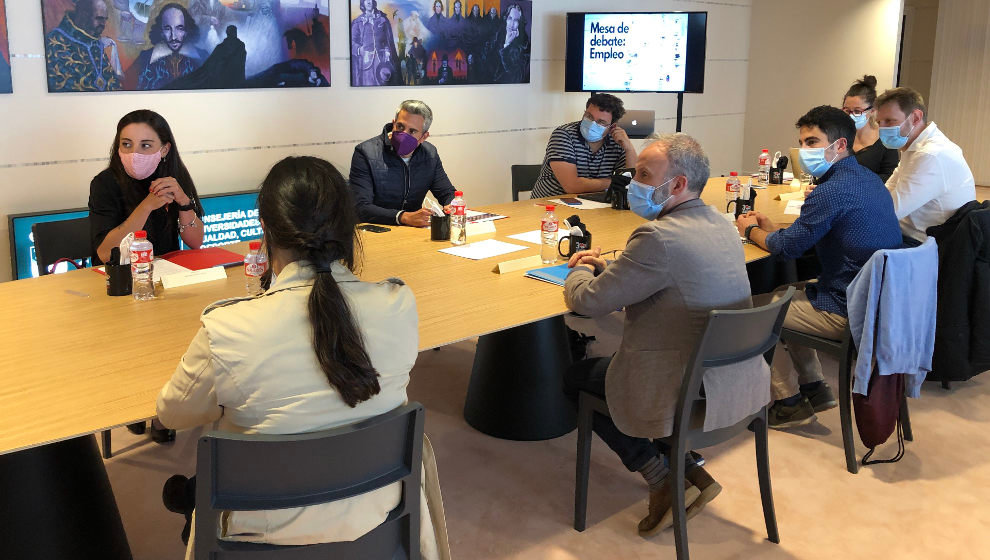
[5,85]
[440,42]
[132,45]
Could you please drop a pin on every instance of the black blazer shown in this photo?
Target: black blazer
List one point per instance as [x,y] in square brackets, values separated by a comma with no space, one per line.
[962,326]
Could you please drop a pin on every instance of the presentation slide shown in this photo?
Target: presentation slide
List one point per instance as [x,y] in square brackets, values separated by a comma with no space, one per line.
[635,52]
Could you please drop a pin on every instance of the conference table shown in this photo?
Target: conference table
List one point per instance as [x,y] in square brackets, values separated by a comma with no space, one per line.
[78,361]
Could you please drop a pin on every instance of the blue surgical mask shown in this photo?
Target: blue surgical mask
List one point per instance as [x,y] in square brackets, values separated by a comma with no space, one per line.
[891,136]
[860,120]
[813,160]
[641,201]
[592,131]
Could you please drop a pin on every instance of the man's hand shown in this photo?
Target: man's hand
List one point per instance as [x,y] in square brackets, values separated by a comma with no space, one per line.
[592,260]
[765,223]
[746,220]
[419,218]
[620,137]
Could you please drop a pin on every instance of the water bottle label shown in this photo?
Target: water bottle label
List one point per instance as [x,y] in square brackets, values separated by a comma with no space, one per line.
[142,256]
[549,226]
[254,269]
[459,209]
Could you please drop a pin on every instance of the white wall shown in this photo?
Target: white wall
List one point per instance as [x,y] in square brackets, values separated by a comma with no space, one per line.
[959,102]
[816,51]
[51,145]
[920,19]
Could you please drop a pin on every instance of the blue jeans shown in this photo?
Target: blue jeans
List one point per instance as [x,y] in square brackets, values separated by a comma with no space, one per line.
[589,376]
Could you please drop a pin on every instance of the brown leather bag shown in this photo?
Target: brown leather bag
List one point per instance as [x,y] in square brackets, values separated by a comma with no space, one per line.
[878,414]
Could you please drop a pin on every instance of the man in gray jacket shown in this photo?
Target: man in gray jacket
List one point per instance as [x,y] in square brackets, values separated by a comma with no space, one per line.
[683,262]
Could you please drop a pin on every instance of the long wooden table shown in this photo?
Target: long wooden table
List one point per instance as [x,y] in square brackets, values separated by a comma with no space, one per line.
[77,361]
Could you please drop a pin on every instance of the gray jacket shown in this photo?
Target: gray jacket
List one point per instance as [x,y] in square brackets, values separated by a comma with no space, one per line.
[673,271]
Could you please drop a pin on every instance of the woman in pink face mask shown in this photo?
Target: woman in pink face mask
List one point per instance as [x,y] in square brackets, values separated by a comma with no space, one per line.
[146,186]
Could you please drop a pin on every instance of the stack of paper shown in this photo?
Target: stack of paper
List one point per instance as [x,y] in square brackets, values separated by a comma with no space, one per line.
[483,249]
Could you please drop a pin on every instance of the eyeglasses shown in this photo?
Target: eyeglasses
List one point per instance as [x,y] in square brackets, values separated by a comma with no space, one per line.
[856,112]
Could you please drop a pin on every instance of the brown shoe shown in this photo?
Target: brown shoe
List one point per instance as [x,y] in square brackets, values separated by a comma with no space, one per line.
[661,515]
[706,485]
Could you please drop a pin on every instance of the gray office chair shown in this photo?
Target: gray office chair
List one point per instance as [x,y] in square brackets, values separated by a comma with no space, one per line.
[729,337]
[61,240]
[523,178]
[257,472]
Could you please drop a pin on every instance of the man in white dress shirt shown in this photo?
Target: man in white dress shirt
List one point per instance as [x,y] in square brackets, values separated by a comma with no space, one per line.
[933,179]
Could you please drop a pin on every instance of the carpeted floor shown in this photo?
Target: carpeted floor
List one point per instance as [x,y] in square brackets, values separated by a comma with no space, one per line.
[507,499]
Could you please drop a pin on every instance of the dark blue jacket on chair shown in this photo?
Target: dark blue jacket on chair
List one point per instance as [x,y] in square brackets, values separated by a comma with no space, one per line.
[383,184]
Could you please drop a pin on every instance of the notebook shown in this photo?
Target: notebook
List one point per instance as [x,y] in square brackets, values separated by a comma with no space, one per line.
[198,259]
[553,274]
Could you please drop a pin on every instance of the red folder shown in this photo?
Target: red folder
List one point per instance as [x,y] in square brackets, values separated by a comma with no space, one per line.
[198,259]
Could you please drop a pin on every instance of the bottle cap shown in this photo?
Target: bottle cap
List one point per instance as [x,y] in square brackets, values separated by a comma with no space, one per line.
[766,151]
[458,193]
[140,234]
[733,174]
[254,245]
[550,207]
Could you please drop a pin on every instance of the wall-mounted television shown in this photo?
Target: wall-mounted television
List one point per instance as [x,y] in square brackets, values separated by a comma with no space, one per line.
[636,52]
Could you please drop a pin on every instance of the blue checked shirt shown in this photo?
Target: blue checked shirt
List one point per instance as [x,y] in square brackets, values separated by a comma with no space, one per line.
[848,217]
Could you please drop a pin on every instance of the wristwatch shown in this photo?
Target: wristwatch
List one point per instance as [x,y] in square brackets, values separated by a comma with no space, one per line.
[749,230]
[190,206]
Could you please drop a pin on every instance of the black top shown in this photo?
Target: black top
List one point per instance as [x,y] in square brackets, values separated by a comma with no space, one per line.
[878,159]
[109,207]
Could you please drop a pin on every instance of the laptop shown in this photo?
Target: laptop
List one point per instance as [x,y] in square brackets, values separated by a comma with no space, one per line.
[637,123]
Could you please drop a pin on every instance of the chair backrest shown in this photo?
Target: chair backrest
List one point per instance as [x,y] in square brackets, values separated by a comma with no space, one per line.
[523,178]
[238,472]
[729,337]
[61,239]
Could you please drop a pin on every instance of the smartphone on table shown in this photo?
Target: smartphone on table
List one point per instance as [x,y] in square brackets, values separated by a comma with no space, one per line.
[373,228]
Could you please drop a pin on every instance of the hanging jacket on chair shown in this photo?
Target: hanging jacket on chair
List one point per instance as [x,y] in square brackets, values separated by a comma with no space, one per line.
[962,332]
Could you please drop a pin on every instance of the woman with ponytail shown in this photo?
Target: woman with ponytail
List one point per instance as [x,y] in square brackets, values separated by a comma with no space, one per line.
[318,349]
[858,103]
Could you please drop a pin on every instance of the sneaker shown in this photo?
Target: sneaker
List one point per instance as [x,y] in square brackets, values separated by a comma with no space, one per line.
[782,416]
[699,461]
[821,398]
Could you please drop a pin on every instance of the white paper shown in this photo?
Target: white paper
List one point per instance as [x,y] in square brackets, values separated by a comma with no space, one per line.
[483,249]
[794,207]
[483,227]
[535,237]
[471,215]
[165,268]
[193,277]
[585,204]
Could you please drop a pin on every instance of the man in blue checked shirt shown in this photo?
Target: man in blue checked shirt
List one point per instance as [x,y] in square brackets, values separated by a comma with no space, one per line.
[847,217]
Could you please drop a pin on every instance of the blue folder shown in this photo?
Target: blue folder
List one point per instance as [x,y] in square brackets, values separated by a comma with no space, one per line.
[553,274]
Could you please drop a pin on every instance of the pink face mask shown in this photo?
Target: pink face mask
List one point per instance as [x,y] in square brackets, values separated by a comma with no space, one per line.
[140,166]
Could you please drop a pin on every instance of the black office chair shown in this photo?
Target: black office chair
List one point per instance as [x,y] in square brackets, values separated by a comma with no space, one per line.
[845,352]
[523,178]
[729,337]
[258,472]
[66,240]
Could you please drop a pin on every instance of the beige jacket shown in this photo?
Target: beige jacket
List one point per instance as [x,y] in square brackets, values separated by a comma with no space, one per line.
[673,271]
[251,368]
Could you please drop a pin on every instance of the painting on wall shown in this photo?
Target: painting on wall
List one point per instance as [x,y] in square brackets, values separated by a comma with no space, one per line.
[5,85]
[132,45]
[440,42]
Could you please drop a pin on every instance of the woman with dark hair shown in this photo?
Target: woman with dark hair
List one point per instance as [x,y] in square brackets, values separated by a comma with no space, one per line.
[858,103]
[146,186]
[319,349]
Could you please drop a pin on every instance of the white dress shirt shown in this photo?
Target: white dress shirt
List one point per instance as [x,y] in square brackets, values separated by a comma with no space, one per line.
[931,182]
[252,368]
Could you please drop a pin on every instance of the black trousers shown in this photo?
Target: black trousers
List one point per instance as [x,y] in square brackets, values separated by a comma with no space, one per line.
[589,376]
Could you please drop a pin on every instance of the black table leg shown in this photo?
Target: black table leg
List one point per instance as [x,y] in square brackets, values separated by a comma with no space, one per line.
[56,502]
[516,389]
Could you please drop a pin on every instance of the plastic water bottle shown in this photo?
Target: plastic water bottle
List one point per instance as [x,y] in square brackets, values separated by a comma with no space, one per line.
[548,232]
[458,219]
[255,265]
[764,177]
[142,267]
[731,188]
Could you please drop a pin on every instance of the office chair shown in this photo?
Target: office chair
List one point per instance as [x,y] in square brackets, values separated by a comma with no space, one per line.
[523,178]
[66,240]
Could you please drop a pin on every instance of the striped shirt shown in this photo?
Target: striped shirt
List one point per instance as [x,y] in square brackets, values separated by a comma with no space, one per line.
[567,144]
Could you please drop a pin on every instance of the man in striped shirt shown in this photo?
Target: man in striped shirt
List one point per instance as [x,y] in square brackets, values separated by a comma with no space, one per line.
[582,155]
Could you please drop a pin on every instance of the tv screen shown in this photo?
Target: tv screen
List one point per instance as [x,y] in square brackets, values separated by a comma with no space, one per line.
[636,52]
[227,218]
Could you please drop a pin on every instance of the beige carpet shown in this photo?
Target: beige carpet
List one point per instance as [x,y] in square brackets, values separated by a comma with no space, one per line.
[508,499]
